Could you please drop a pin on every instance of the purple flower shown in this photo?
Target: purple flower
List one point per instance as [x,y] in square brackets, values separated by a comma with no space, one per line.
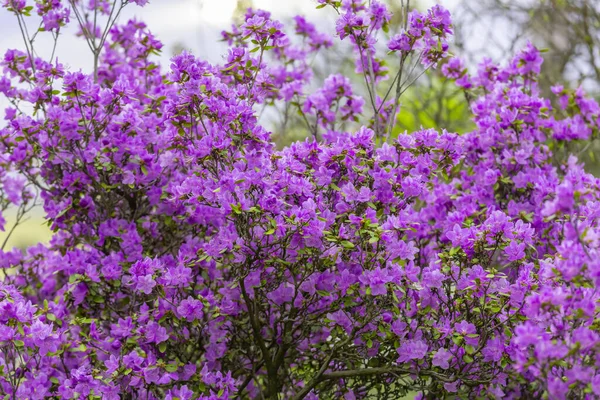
[283,294]
[340,318]
[596,385]
[190,309]
[398,327]
[493,350]
[400,42]
[379,14]
[348,23]
[177,276]
[515,251]
[155,333]
[376,280]
[557,388]
[452,387]
[453,69]
[527,334]
[13,188]
[40,332]
[123,329]
[112,364]
[441,359]
[145,283]
[412,350]
[464,328]
[433,279]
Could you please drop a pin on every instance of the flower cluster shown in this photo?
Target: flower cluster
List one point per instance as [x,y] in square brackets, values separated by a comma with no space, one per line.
[429,31]
[191,259]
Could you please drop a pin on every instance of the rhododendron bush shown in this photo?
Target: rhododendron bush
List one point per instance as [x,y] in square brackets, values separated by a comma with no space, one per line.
[191,259]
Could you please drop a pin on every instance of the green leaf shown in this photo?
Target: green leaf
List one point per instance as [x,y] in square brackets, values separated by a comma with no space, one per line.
[98,299]
[81,348]
[171,367]
[63,212]
[457,340]
[162,347]
[236,208]
[347,244]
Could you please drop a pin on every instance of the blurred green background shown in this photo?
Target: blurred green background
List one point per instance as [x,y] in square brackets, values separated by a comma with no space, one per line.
[30,231]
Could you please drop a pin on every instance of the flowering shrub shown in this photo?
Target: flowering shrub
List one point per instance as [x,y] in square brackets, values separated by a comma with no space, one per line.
[193,260]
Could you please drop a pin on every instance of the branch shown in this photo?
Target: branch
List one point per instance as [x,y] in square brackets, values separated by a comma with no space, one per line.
[357,373]
[398,371]
[256,331]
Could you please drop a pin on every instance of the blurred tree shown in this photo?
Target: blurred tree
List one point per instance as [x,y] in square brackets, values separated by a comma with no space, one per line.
[568,29]
[177,48]
[429,102]
[240,9]
[433,103]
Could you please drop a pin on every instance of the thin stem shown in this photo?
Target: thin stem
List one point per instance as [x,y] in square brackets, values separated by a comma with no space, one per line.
[27,42]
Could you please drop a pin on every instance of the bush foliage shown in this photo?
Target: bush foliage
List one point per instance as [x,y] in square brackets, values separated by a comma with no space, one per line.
[191,259]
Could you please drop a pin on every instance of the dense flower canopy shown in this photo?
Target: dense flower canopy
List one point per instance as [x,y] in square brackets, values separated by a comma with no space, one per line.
[191,259]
